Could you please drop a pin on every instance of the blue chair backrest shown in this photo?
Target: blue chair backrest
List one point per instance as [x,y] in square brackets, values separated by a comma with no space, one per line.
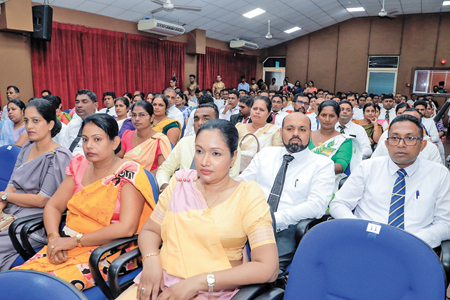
[154,184]
[8,157]
[34,285]
[358,259]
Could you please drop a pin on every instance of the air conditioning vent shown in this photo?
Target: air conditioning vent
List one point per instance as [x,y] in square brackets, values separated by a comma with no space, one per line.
[243,45]
[160,27]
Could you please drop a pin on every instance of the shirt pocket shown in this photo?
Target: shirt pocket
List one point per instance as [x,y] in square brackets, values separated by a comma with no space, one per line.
[422,208]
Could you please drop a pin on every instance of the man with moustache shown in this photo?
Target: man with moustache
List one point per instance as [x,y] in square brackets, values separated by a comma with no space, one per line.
[297,183]
[245,103]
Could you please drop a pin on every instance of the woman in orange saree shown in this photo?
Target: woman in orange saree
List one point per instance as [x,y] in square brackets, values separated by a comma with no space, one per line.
[98,212]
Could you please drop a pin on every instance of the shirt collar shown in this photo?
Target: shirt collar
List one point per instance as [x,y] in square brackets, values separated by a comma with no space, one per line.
[393,168]
[299,156]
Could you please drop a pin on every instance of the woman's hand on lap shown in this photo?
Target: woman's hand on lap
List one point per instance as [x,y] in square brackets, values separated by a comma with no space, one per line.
[183,290]
[59,244]
[151,280]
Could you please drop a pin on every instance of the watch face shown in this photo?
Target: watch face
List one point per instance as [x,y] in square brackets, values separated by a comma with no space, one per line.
[210,279]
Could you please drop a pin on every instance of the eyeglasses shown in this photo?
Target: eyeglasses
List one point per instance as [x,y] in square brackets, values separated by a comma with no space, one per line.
[409,141]
[302,103]
[138,115]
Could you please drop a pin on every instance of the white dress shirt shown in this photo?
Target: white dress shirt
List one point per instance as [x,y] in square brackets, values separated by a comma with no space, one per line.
[5,116]
[392,114]
[174,113]
[279,117]
[221,103]
[431,128]
[430,152]
[315,124]
[70,133]
[110,111]
[308,186]
[368,192]
[360,134]
[289,107]
[358,113]
[229,113]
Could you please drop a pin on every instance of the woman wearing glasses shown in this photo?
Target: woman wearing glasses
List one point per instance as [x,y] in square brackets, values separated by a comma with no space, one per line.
[144,145]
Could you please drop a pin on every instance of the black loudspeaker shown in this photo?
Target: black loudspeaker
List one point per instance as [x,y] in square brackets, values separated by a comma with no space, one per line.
[42,22]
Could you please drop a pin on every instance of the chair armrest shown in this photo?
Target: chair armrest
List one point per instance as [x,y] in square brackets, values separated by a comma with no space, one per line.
[114,269]
[95,257]
[24,233]
[445,260]
[272,294]
[304,225]
[12,233]
[251,291]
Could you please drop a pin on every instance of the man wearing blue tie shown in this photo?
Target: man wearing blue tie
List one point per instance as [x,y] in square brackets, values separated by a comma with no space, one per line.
[401,189]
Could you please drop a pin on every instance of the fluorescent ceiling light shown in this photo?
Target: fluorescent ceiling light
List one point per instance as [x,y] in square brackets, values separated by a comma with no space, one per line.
[445,3]
[355,9]
[254,13]
[293,29]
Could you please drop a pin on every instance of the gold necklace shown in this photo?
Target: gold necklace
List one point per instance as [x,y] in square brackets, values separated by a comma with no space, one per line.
[114,160]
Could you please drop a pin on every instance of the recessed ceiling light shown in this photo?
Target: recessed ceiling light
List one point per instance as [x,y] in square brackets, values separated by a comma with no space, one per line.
[254,13]
[445,3]
[355,9]
[293,29]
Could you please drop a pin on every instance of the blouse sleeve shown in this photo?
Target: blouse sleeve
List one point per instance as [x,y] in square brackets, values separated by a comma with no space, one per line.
[344,154]
[55,173]
[159,212]
[126,140]
[257,222]
[276,139]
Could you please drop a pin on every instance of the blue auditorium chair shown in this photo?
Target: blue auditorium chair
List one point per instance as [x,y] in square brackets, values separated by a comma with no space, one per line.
[358,259]
[34,285]
[8,157]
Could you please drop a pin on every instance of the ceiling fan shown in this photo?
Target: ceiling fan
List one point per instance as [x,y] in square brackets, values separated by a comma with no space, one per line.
[383,13]
[169,6]
[269,36]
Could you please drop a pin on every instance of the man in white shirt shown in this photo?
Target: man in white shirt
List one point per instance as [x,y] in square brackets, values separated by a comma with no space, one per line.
[346,126]
[300,103]
[204,98]
[12,92]
[289,84]
[315,124]
[85,105]
[108,101]
[287,107]
[182,156]
[173,112]
[430,125]
[307,185]
[245,103]
[222,102]
[277,114]
[243,85]
[430,152]
[358,113]
[401,189]
[387,112]
[232,107]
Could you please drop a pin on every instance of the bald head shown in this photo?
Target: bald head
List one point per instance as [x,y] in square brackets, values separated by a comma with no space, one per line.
[296,132]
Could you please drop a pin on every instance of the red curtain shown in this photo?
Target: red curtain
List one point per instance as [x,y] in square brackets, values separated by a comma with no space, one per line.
[229,65]
[151,63]
[101,60]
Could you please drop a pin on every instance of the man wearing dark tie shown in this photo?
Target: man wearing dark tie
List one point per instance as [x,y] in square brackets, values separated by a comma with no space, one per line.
[297,183]
[401,189]
[277,105]
[245,103]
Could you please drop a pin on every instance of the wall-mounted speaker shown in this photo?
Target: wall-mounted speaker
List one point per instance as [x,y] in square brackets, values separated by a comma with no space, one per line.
[42,22]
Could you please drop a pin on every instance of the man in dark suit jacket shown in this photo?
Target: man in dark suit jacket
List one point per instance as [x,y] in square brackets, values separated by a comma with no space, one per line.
[245,104]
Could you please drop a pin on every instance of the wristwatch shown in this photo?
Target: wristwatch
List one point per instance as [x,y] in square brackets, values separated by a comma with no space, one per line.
[79,235]
[211,281]
[5,196]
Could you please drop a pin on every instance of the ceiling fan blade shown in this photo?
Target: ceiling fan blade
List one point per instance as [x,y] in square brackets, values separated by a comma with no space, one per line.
[184,7]
[157,10]
[392,12]
[158,2]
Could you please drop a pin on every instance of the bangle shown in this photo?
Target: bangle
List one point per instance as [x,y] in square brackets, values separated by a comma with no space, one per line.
[52,234]
[148,255]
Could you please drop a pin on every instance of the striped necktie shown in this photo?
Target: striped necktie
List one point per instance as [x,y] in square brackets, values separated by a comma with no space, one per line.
[397,208]
[342,128]
[277,188]
[387,116]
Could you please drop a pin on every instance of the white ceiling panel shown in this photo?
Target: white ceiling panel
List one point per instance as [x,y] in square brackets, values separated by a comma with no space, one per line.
[223,20]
